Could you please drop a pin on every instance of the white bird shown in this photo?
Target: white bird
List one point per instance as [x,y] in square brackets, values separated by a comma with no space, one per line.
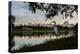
[55,28]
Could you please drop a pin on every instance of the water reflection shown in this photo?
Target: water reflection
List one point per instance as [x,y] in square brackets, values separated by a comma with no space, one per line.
[31,40]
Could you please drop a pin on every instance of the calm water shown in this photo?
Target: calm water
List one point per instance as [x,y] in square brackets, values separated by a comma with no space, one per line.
[29,40]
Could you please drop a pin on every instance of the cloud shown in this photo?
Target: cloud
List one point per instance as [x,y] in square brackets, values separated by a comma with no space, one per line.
[23,15]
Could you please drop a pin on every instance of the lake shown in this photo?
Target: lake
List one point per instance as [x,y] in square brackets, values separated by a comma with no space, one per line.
[33,39]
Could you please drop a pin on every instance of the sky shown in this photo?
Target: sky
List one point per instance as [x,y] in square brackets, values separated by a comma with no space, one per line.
[24,16]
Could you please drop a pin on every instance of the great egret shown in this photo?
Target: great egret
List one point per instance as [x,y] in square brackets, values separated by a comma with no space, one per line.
[55,28]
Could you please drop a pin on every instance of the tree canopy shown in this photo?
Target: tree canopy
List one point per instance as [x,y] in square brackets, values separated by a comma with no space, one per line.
[53,9]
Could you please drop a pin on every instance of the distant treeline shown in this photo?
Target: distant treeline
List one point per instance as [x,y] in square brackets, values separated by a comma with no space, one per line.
[36,28]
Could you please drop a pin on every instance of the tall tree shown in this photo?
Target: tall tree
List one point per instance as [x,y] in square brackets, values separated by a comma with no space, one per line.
[11,27]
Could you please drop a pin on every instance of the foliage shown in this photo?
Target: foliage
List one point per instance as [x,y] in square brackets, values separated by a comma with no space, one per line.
[11,19]
[53,9]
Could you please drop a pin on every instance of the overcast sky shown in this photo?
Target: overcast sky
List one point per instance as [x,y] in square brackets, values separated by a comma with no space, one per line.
[24,16]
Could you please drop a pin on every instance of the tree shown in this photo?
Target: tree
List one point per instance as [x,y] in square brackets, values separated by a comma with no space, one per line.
[12,19]
[53,9]
[11,27]
[11,35]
